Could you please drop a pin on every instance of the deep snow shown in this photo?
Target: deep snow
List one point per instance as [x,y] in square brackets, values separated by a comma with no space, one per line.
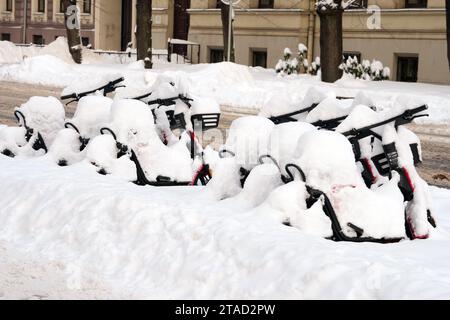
[118,240]
[100,237]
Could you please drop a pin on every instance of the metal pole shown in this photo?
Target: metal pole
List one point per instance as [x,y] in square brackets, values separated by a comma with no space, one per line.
[231,3]
[230,22]
[25,9]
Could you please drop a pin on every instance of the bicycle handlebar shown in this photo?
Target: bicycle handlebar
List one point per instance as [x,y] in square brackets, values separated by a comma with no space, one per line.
[108,88]
[406,117]
[171,101]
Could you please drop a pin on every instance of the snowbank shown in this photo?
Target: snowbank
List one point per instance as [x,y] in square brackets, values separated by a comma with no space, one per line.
[144,244]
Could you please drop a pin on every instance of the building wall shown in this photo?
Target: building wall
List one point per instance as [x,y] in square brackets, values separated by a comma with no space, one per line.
[49,24]
[403,31]
[108,24]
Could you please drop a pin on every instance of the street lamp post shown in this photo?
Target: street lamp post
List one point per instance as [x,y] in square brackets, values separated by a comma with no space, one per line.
[230,3]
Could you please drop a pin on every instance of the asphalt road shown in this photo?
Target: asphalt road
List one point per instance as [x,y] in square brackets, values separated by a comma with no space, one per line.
[435,139]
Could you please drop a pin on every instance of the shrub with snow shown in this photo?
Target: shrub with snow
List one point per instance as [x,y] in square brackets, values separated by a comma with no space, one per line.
[293,65]
[365,70]
[323,5]
[314,68]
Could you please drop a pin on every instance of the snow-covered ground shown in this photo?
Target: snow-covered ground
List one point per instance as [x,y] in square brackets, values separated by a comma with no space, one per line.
[72,233]
[96,237]
[230,84]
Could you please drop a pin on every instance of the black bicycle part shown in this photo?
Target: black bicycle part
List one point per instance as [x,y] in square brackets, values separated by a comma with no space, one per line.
[8,153]
[108,130]
[338,233]
[62,163]
[416,153]
[206,121]
[329,124]
[70,125]
[290,175]
[161,181]
[288,117]
[171,101]
[268,156]
[223,152]
[244,175]
[107,88]
[406,117]
[83,141]
[431,219]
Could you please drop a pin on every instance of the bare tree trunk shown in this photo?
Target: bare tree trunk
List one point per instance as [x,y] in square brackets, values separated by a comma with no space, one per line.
[447,9]
[225,11]
[73,25]
[144,32]
[331,47]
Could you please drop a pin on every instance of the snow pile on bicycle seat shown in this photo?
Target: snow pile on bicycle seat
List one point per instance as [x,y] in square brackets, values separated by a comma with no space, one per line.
[263,179]
[226,179]
[360,117]
[277,105]
[164,90]
[284,140]
[132,122]
[102,153]
[91,115]
[179,79]
[405,102]
[328,109]
[66,147]
[316,95]
[45,115]
[248,139]
[204,105]
[12,138]
[363,98]
[379,211]
[327,160]
[287,204]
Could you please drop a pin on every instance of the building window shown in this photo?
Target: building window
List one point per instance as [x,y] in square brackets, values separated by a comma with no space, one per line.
[6,37]
[61,6]
[358,4]
[218,4]
[41,6]
[352,54]
[215,55]
[87,6]
[265,4]
[407,69]
[9,5]
[259,58]
[416,3]
[38,39]
[85,41]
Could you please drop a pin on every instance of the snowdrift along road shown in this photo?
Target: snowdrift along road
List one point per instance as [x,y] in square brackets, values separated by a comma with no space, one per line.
[143,243]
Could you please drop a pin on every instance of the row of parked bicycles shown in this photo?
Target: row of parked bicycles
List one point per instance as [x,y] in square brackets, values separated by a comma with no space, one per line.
[152,139]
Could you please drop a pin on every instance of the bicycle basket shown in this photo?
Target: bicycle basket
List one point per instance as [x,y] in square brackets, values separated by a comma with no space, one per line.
[206,121]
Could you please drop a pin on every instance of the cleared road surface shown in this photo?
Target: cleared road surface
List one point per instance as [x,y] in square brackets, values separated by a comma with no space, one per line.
[435,139]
